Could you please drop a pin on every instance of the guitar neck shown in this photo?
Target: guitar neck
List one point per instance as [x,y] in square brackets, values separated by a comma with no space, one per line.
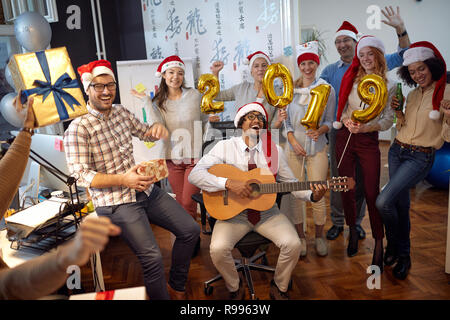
[288,186]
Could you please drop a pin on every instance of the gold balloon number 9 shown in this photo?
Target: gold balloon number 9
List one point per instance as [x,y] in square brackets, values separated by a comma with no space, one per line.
[372,90]
[277,70]
[317,104]
[211,82]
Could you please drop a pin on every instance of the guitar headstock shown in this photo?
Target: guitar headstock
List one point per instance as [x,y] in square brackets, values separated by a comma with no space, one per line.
[341,184]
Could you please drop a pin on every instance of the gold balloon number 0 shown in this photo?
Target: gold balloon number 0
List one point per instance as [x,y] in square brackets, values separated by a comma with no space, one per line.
[277,70]
[317,104]
[211,82]
[372,90]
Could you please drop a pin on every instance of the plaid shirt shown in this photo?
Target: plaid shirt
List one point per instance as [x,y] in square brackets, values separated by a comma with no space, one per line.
[97,143]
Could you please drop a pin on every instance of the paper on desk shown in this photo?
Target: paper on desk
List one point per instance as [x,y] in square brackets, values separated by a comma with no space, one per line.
[38,214]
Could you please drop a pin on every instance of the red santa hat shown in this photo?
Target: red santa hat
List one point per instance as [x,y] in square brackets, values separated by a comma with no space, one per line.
[350,74]
[93,69]
[308,51]
[347,29]
[249,107]
[255,55]
[421,51]
[167,63]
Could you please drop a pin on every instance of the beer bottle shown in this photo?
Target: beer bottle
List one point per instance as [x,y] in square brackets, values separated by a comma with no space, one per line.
[399,96]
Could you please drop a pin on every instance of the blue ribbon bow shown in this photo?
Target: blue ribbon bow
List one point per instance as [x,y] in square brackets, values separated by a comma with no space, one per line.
[45,88]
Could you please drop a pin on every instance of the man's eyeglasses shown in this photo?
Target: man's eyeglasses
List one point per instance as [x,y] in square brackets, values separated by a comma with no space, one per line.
[345,40]
[99,87]
[253,116]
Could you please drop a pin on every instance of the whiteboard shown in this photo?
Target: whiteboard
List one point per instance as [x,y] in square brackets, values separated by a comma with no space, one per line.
[132,73]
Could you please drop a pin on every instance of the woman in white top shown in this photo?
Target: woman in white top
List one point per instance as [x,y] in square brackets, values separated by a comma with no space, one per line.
[307,149]
[178,108]
[247,92]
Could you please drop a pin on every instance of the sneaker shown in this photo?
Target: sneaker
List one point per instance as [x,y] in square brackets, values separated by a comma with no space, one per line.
[239,294]
[276,294]
[302,247]
[321,247]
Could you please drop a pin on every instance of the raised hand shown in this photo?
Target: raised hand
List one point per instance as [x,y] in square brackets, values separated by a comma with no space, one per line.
[216,67]
[393,18]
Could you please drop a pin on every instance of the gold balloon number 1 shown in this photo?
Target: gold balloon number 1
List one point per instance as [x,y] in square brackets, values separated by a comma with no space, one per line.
[277,70]
[317,104]
[211,82]
[372,90]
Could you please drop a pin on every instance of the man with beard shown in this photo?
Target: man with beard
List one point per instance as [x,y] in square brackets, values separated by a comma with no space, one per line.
[246,152]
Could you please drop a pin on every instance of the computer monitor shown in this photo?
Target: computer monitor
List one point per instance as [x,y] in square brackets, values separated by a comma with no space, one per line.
[49,148]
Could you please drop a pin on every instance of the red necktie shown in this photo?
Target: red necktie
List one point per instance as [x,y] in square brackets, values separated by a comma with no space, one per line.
[252,215]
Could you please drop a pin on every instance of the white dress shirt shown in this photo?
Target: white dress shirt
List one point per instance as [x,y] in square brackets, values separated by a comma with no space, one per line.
[233,152]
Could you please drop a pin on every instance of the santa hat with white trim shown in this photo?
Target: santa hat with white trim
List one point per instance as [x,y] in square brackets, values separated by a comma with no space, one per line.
[308,51]
[349,30]
[167,63]
[421,51]
[249,107]
[255,55]
[93,69]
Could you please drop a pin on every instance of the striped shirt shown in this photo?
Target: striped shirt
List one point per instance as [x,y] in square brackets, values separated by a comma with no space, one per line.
[96,143]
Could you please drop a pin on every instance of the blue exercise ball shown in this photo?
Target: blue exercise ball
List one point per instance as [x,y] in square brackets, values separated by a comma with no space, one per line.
[32,31]
[439,174]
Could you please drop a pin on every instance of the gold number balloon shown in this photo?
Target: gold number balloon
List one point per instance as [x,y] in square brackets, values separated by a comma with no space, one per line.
[207,104]
[372,90]
[277,70]
[317,104]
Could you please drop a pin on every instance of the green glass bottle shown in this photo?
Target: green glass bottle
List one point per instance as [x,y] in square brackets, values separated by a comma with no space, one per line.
[399,96]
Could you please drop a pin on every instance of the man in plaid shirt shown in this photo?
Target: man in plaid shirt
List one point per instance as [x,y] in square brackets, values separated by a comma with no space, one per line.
[99,154]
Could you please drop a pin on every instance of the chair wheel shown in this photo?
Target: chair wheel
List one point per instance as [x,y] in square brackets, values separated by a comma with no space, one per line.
[209,290]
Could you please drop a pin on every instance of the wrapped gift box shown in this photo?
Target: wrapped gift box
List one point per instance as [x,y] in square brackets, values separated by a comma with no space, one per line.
[156,168]
[48,76]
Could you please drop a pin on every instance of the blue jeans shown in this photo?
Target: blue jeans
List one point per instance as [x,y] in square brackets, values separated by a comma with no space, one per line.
[406,169]
[160,209]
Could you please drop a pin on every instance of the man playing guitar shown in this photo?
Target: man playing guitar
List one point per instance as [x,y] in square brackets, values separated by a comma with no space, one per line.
[253,149]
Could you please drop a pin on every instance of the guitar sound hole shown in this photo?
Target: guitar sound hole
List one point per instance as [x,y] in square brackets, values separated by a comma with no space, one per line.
[255,190]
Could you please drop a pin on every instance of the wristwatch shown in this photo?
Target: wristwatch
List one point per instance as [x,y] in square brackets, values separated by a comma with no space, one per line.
[404,33]
[312,198]
[29,130]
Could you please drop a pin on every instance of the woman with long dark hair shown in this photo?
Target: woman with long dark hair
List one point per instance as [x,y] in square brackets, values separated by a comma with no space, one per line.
[422,128]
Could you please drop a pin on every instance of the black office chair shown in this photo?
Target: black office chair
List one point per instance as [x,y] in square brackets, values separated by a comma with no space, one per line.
[247,247]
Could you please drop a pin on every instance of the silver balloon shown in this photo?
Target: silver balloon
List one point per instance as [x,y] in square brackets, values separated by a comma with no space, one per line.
[9,112]
[8,77]
[32,31]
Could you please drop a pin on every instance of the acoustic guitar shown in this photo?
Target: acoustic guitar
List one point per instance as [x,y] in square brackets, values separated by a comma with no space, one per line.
[224,205]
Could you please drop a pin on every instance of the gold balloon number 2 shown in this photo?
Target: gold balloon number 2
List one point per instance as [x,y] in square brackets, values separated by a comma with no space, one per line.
[317,104]
[277,70]
[372,90]
[211,82]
